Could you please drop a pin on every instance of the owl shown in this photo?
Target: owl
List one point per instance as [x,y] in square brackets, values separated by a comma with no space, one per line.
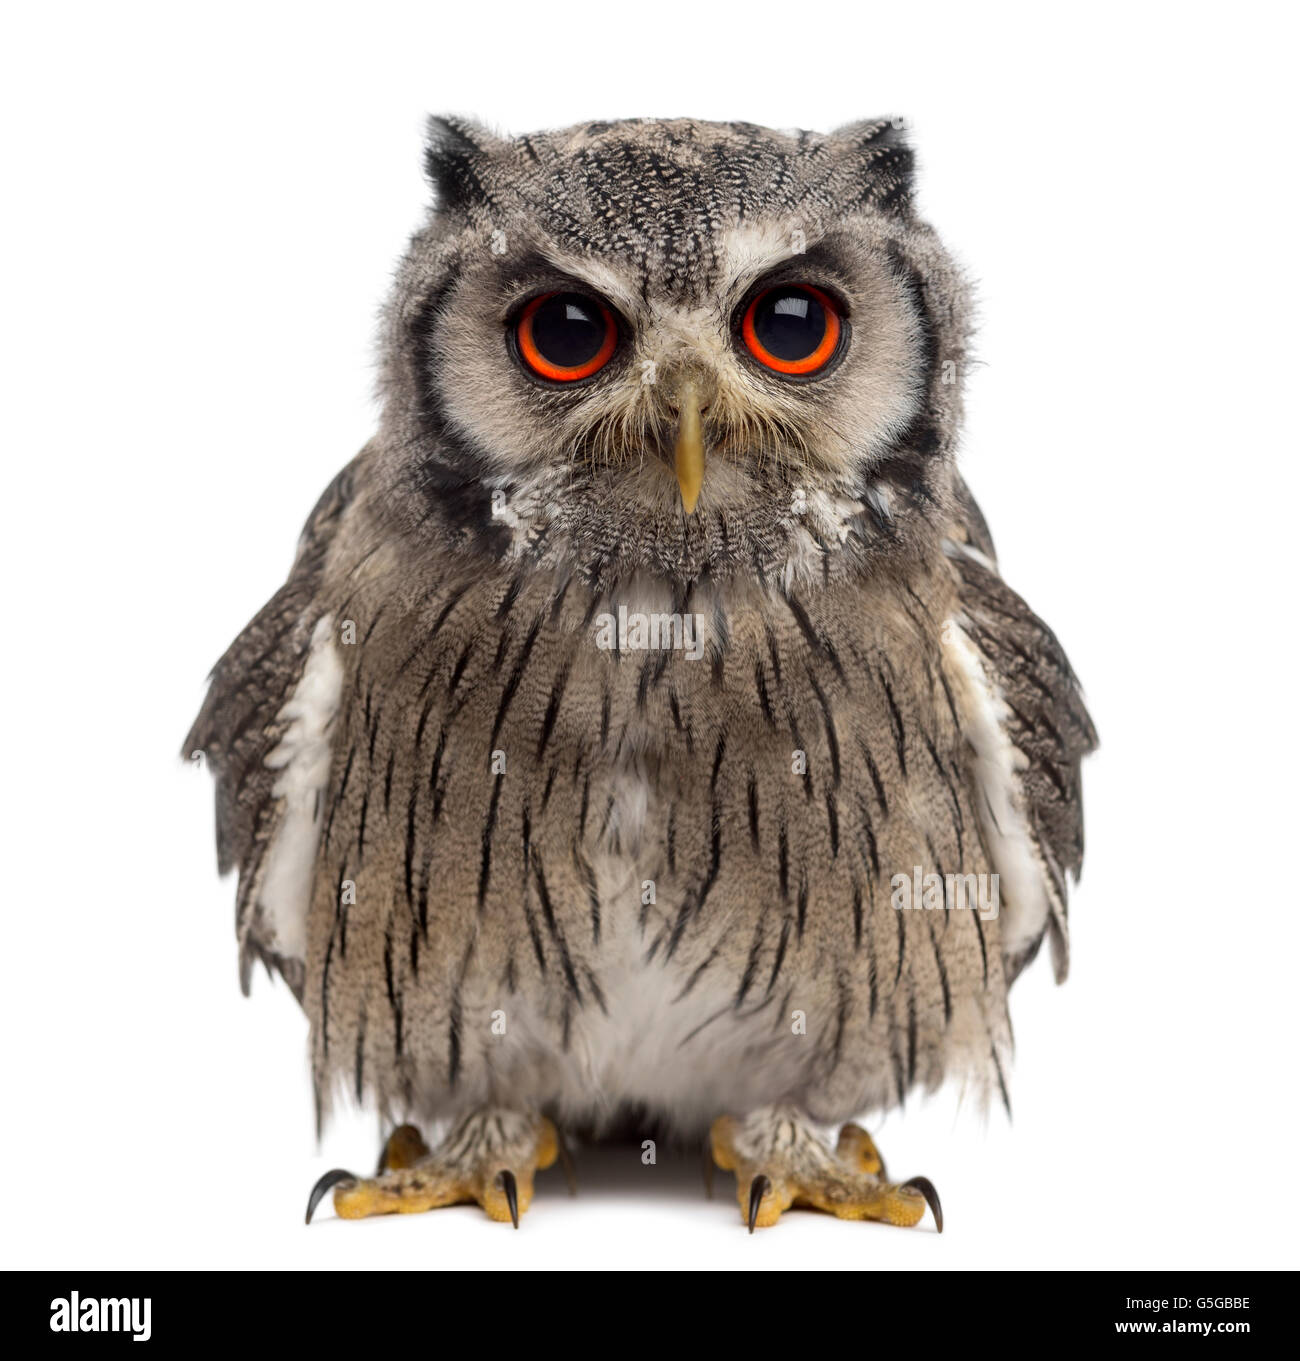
[644,737]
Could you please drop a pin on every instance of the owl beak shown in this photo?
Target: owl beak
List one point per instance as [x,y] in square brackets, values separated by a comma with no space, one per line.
[688,453]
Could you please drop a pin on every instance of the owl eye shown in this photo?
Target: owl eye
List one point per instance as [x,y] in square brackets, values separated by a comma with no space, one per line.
[793,329]
[566,336]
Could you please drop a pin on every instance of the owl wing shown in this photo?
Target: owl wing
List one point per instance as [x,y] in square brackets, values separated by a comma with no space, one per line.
[1027,731]
[266,741]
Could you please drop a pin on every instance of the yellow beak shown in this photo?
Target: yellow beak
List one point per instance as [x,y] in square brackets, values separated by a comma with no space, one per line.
[688,454]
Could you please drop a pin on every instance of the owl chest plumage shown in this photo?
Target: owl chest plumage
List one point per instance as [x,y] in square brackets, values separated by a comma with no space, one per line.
[637,851]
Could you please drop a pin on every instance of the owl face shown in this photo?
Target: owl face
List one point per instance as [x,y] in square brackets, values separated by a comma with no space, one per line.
[672,344]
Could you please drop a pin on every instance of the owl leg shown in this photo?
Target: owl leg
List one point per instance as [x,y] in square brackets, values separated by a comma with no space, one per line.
[489,1156]
[779,1161]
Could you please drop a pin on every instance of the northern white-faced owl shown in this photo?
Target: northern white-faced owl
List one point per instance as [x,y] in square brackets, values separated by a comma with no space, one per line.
[644,733]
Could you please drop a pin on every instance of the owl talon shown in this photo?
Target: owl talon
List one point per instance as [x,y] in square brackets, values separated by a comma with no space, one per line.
[488,1157]
[506,1181]
[335,1177]
[926,1188]
[798,1169]
[758,1188]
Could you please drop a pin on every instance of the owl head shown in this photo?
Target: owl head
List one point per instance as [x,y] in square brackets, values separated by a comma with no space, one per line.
[673,346]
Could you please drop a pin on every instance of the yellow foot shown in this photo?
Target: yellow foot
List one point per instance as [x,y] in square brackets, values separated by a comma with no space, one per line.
[489,1156]
[404,1147]
[779,1162]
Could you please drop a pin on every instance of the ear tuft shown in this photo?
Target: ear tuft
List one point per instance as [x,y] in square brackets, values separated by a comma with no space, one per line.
[456,159]
[887,160]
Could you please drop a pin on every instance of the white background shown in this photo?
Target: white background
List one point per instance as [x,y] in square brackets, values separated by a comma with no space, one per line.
[202,211]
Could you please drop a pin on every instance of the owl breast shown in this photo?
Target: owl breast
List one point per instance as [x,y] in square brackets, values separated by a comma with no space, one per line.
[647,869]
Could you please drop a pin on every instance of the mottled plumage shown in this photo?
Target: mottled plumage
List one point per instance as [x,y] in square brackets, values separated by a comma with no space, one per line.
[449,806]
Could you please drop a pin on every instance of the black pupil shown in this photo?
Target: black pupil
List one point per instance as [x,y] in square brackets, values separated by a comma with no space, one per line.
[789,323]
[568,330]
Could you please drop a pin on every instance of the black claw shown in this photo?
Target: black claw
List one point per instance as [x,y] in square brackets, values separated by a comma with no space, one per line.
[758,1188]
[926,1188]
[506,1180]
[331,1178]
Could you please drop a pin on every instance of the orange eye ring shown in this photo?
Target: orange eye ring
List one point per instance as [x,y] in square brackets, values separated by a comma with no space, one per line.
[807,364]
[532,355]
